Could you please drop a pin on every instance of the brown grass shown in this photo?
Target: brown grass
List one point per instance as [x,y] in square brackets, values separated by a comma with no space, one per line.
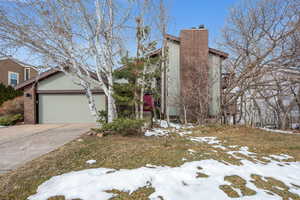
[132,152]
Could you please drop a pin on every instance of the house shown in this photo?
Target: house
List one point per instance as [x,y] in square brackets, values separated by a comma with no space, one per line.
[14,72]
[272,100]
[54,97]
[190,59]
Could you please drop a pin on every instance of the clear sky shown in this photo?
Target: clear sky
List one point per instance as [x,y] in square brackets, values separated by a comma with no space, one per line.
[192,13]
[184,14]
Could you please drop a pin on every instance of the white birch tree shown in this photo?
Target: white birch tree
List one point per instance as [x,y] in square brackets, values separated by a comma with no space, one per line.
[82,38]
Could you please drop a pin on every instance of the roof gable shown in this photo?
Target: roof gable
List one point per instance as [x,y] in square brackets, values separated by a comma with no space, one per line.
[22,64]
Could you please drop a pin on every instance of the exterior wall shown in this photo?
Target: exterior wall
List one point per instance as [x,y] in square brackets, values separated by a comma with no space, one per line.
[60,81]
[30,105]
[187,57]
[173,81]
[33,73]
[8,65]
[215,63]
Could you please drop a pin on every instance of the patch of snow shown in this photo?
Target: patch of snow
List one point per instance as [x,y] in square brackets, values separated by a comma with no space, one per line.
[167,181]
[277,131]
[185,133]
[151,166]
[281,157]
[164,124]
[90,162]
[156,132]
[191,151]
[219,146]
[295,126]
[242,150]
[208,140]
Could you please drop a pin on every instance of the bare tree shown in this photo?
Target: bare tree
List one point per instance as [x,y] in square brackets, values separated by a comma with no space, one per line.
[83,38]
[162,25]
[258,37]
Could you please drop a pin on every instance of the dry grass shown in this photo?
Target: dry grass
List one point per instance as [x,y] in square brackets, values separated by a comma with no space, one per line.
[133,152]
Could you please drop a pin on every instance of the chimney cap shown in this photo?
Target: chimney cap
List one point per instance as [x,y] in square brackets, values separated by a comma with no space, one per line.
[201,26]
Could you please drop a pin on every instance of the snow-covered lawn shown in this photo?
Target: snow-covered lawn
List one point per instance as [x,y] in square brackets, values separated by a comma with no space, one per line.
[277,131]
[175,183]
[255,176]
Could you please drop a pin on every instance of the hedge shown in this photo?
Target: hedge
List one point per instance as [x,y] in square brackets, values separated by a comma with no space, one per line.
[7,93]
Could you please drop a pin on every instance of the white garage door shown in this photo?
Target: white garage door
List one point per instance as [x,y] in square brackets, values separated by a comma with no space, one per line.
[67,108]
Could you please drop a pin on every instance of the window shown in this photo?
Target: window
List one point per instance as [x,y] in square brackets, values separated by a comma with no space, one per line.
[27,74]
[13,78]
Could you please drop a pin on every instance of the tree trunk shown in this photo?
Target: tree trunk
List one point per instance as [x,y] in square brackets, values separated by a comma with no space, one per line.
[185,113]
[91,102]
[111,107]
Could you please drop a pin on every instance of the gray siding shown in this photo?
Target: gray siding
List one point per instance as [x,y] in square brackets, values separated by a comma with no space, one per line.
[173,74]
[214,84]
[60,81]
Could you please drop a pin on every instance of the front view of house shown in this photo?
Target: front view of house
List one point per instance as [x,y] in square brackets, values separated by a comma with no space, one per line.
[54,97]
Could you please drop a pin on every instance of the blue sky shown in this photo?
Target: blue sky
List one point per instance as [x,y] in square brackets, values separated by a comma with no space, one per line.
[190,13]
[183,14]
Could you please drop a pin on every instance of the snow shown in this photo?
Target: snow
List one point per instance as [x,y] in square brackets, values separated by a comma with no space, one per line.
[183,133]
[171,183]
[165,130]
[156,132]
[176,183]
[191,151]
[281,157]
[91,162]
[277,131]
[243,150]
[164,124]
[208,140]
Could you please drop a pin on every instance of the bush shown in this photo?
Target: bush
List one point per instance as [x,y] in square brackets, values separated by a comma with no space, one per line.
[10,120]
[7,93]
[12,107]
[122,126]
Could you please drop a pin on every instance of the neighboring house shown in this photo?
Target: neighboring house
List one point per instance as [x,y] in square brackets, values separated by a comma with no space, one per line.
[54,97]
[187,55]
[274,100]
[14,72]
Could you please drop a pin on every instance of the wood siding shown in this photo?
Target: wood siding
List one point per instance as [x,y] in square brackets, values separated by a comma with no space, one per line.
[9,65]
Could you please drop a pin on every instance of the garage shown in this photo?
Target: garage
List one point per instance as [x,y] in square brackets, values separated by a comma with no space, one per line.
[66,108]
[54,97]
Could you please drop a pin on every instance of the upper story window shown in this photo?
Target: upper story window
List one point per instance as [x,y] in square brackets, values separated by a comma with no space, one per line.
[13,78]
[27,74]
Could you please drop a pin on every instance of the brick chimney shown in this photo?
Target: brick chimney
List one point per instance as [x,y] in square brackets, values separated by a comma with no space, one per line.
[194,61]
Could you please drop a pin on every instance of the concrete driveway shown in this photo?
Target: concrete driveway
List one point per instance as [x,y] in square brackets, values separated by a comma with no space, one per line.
[20,144]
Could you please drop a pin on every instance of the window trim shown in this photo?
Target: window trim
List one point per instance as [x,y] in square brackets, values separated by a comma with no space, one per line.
[25,71]
[9,79]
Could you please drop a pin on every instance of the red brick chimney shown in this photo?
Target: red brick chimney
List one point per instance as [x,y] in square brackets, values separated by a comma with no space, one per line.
[194,61]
